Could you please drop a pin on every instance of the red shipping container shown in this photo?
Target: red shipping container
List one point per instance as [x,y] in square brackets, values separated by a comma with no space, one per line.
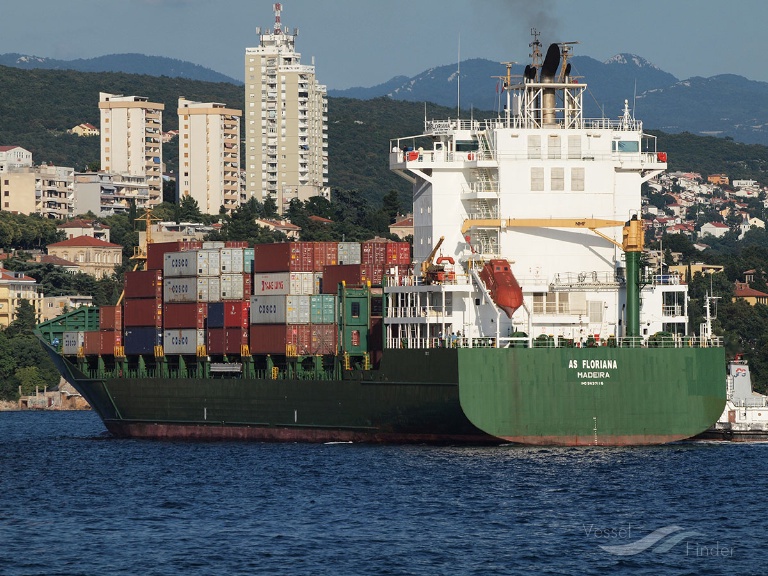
[398,254]
[143,312]
[237,313]
[156,251]
[108,340]
[144,284]
[91,342]
[274,338]
[236,244]
[111,318]
[180,315]
[326,254]
[351,274]
[284,257]
[226,340]
[323,338]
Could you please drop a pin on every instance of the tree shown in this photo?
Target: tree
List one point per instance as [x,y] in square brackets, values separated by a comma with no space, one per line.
[170,194]
[25,321]
[190,210]
[270,207]
[391,205]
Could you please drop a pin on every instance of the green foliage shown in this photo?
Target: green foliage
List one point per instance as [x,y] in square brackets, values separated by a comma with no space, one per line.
[21,232]
[25,321]
[23,362]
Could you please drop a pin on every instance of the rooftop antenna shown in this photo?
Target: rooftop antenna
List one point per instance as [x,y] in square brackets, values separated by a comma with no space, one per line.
[458,81]
[277,8]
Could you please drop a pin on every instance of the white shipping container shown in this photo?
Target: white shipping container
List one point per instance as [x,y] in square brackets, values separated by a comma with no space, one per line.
[298,283]
[232,287]
[349,253]
[297,309]
[317,283]
[232,261]
[184,341]
[72,342]
[180,290]
[208,262]
[213,244]
[209,289]
[268,309]
[179,264]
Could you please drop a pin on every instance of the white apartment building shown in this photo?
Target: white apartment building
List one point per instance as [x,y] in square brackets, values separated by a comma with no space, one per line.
[286,121]
[14,157]
[131,133]
[209,155]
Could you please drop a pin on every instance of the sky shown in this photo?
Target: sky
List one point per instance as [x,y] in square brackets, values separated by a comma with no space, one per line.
[367,42]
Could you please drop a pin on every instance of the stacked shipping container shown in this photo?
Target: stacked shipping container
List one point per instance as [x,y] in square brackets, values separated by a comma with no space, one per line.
[275,298]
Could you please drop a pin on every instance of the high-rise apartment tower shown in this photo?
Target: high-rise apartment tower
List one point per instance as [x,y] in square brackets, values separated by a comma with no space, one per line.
[209,155]
[131,145]
[286,121]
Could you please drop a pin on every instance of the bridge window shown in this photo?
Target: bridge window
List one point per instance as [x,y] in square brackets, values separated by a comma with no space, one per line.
[626,146]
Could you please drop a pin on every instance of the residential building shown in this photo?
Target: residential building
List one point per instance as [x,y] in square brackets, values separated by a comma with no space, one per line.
[65,265]
[131,133]
[17,190]
[84,129]
[14,287]
[402,227]
[291,231]
[105,193]
[80,227]
[716,229]
[172,231]
[94,257]
[742,291]
[688,271]
[286,121]
[53,306]
[209,155]
[54,191]
[718,179]
[14,157]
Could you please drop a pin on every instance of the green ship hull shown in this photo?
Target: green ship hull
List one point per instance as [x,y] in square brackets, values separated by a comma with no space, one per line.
[564,396]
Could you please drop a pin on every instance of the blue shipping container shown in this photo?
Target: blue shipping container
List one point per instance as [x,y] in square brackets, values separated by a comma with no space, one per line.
[215,314]
[142,340]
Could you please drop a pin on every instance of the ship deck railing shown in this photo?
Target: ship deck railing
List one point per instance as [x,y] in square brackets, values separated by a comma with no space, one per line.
[455,341]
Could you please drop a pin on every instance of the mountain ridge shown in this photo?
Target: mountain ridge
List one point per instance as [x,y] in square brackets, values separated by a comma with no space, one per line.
[129,63]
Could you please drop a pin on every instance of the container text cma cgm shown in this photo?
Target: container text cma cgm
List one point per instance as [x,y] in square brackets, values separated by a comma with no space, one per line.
[525,317]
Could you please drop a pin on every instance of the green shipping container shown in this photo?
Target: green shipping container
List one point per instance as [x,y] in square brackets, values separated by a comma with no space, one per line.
[323,309]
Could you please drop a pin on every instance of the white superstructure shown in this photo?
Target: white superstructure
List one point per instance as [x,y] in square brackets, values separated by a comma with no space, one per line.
[546,189]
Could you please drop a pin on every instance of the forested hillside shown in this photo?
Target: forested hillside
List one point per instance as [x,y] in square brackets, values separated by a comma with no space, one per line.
[38,106]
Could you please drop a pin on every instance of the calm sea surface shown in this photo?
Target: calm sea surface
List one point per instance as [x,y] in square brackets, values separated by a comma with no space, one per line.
[75,501]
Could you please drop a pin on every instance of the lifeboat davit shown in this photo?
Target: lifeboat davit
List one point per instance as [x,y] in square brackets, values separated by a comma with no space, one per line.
[502,285]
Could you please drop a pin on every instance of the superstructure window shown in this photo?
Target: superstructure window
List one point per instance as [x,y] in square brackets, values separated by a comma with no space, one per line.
[558,179]
[577,179]
[355,309]
[626,146]
[553,147]
[466,145]
[534,147]
[537,179]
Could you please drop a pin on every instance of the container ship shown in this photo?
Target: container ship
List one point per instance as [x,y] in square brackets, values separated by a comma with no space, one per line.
[523,312]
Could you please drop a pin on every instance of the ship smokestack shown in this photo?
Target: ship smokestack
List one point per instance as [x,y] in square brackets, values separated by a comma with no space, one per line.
[548,71]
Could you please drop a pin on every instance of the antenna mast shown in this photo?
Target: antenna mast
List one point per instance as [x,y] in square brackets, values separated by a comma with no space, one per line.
[458,81]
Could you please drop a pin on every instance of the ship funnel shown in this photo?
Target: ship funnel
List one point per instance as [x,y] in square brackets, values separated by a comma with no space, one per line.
[548,72]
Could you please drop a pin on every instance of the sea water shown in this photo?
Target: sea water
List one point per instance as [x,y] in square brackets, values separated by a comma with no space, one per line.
[74,500]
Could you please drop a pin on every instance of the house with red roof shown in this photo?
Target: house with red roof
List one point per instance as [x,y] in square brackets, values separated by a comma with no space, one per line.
[84,129]
[716,229]
[93,256]
[402,227]
[81,227]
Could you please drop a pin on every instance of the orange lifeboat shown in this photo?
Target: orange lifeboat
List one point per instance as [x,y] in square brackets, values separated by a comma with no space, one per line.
[502,285]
